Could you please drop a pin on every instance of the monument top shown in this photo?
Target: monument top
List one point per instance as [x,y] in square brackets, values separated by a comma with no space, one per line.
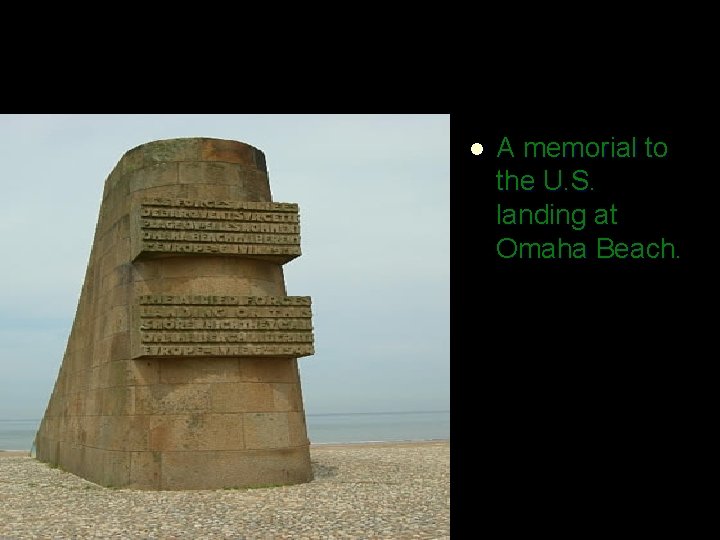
[196,149]
[193,160]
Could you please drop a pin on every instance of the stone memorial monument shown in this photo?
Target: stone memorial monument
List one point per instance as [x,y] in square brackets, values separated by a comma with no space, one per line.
[181,367]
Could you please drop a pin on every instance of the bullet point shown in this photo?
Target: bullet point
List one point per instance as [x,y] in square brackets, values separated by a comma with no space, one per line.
[476,148]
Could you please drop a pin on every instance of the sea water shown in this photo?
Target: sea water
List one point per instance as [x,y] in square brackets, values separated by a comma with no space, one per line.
[17,434]
[322,428]
[389,426]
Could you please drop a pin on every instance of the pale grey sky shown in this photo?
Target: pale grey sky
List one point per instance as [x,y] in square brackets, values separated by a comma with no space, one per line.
[374,196]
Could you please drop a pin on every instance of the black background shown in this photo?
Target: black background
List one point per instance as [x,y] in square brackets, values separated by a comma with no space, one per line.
[588,390]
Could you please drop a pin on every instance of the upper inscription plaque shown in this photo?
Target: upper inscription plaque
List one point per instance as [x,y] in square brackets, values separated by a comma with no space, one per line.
[263,230]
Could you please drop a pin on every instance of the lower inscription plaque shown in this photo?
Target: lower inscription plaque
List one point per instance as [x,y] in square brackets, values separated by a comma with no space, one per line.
[214,325]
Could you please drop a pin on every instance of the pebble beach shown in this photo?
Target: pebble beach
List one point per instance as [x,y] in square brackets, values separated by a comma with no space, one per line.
[373,490]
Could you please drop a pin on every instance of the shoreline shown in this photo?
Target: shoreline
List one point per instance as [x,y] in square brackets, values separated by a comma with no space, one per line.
[26,453]
[379,444]
[14,453]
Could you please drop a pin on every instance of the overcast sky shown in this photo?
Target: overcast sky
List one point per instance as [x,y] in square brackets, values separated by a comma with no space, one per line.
[374,198]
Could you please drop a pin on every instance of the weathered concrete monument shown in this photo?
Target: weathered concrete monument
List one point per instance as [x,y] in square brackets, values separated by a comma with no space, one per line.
[181,367]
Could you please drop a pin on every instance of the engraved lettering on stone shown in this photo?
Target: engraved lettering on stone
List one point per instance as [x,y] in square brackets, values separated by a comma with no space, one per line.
[195,227]
[223,325]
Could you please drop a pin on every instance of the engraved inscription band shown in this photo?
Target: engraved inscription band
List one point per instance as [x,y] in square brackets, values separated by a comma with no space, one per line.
[263,230]
[222,325]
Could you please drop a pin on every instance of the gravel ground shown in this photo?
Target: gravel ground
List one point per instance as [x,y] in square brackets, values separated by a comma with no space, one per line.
[359,491]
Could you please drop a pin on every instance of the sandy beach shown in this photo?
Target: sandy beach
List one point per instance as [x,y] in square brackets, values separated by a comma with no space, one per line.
[373,490]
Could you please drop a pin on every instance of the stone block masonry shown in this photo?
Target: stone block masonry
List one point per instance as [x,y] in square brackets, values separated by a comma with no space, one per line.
[180,371]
